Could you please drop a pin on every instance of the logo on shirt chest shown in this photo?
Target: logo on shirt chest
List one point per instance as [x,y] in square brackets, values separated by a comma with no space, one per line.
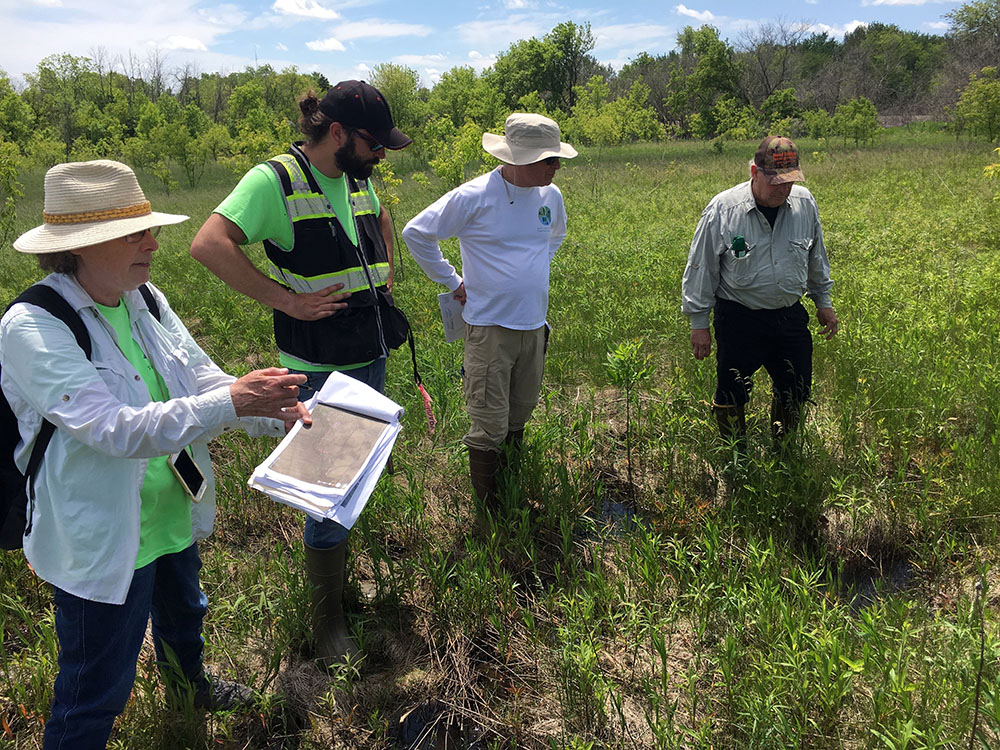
[545,216]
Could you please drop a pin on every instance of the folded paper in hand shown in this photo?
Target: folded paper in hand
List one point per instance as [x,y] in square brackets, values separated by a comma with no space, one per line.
[451,317]
[329,470]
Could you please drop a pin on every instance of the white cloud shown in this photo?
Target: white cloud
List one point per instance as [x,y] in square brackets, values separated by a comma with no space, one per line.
[477,57]
[705,16]
[226,16]
[629,33]
[430,67]
[186,30]
[47,3]
[375,29]
[501,33]
[305,8]
[836,31]
[937,25]
[516,4]
[326,45]
[419,61]
[281,47]
[183,42]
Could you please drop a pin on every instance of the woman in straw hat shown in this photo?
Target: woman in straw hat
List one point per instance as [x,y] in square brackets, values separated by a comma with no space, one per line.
[111,524]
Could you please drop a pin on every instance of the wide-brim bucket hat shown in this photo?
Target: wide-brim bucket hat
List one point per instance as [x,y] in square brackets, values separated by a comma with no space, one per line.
[89,202]
[527,138]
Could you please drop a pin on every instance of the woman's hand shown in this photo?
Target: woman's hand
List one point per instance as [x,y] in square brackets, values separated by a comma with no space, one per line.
[271,392]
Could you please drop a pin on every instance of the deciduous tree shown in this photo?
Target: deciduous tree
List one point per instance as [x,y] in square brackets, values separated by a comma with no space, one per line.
[857,120]
[979,104]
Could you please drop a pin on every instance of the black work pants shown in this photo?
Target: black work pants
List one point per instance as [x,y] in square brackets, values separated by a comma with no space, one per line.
[777,340]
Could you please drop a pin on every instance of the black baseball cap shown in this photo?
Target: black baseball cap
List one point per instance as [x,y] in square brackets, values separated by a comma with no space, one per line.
[360,105]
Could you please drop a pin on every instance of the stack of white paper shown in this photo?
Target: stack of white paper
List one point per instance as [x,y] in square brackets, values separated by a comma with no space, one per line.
[329,470]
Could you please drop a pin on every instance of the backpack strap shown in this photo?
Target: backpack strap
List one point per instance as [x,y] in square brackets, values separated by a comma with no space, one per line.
[150,300]
[56,305]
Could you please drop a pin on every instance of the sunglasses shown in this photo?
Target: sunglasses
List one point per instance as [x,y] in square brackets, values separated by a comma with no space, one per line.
[551,160]
[137,236]
[372,143]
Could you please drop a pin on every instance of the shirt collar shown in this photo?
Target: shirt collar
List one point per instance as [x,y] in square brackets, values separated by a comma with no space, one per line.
[749,202]
[67,285]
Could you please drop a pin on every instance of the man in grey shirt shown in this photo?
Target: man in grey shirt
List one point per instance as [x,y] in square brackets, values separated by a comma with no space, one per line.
[757,249]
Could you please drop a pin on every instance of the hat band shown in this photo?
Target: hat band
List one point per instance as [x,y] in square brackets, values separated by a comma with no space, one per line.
[126,212]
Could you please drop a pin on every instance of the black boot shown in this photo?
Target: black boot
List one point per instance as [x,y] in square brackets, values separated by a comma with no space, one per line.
[510,451]
[785,418]
[732,424]
[326,570]
[483,469]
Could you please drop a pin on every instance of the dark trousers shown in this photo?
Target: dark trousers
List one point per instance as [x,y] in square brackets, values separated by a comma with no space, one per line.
[99,644]
[777,340]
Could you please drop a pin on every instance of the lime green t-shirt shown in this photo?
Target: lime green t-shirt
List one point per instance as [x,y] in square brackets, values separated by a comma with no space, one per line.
[165,516]
[257,207]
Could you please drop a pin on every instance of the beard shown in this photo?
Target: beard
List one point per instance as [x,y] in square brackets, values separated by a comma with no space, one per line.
[347,160]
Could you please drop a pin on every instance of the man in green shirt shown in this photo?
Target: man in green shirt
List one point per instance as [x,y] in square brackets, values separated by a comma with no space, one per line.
[329,248]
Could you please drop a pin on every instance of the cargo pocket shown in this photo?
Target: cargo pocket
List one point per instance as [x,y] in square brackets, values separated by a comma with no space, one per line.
[477,367]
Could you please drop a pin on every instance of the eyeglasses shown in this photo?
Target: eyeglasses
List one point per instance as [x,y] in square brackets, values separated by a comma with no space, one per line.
[372,143]
[551,160]
[137,236]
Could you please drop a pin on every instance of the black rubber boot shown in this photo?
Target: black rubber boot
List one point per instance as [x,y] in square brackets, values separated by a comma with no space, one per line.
[785,418]
[732,423]
[483,469]
[326,570]
[510,451]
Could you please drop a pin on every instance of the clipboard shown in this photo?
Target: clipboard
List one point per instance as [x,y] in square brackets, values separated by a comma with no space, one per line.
[334,451]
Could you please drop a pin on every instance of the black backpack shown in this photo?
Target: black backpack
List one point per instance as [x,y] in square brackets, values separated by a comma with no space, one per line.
[17,490]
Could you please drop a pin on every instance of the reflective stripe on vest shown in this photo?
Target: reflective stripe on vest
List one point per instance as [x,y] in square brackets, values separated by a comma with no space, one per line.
[353,279]
[304,203]
[362,203]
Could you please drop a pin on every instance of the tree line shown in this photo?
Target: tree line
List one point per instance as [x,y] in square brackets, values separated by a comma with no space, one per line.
[778,77]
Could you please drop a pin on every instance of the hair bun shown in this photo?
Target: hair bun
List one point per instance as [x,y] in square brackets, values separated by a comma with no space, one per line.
[309,104]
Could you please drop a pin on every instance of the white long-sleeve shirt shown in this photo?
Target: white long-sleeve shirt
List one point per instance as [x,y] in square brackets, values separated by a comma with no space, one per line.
[507,248]
[85,525]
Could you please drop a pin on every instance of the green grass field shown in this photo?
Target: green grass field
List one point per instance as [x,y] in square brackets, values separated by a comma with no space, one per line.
[642,589]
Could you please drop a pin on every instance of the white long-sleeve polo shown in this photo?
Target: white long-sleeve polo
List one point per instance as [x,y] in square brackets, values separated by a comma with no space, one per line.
[507,248]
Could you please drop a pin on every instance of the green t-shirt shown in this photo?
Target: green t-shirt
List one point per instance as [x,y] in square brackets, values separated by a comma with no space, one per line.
[165,518]
[257,207]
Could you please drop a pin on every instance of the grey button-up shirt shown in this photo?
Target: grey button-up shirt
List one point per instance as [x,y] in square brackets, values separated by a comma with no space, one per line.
[778,266]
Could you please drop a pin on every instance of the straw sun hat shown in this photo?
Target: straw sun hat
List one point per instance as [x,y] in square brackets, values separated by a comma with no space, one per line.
[90,202]
[527,138]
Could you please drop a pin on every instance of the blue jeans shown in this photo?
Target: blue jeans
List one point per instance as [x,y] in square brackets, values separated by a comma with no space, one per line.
[99,644]
[327,534]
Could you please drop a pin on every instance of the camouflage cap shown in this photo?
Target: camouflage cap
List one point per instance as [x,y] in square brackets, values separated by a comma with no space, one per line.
[778,159]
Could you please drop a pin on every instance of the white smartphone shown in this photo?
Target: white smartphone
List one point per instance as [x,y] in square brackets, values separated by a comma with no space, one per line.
[188,474]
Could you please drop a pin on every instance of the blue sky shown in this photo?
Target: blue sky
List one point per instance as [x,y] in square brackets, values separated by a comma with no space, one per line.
[346,39]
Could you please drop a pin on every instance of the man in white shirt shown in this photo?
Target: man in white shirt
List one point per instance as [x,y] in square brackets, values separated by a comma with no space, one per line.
[509,223]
